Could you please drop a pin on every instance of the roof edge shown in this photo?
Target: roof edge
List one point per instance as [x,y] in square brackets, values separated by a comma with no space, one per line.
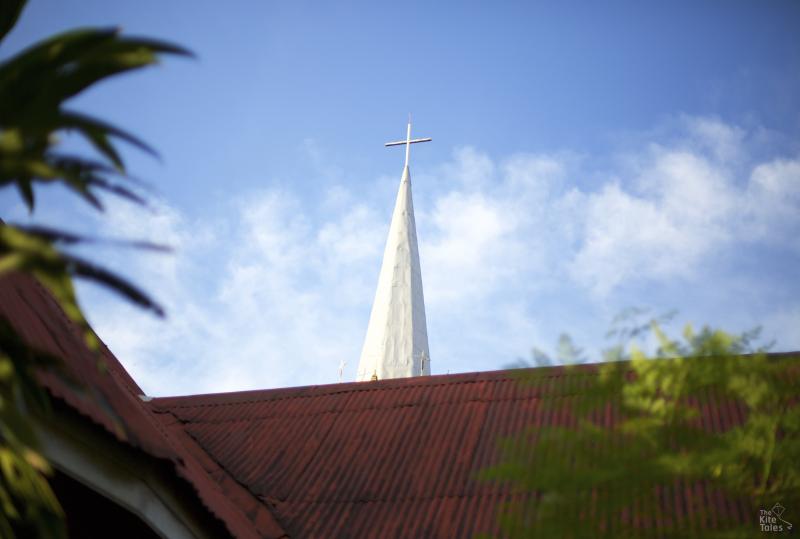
[232,397]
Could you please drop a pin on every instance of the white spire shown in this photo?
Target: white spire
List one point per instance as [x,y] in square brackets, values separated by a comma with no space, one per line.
[396,344]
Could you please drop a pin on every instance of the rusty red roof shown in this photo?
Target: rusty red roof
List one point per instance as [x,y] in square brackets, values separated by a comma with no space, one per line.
[111,401]
[392,458]
[396,458]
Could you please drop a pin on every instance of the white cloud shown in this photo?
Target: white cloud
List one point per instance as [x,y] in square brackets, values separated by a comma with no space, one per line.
[276,290]
[675,211]
[273,310]
[725,142]
[470,168]
[682,205]
[470,248]
[772,201]
[491,231]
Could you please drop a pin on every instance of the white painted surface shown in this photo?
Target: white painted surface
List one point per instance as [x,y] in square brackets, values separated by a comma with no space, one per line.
[121,475]
[396,344]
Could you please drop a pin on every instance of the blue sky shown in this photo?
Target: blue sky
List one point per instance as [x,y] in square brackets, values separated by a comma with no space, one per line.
[586,158]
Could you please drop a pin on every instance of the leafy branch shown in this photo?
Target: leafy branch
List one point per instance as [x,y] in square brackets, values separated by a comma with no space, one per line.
[35,88]
[638,437]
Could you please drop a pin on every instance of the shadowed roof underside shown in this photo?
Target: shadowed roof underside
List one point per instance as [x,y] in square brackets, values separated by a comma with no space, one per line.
[109,398]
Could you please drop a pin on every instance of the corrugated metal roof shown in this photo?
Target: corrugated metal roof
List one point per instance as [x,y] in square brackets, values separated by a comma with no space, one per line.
[392,458]
[111,401]
[398,458]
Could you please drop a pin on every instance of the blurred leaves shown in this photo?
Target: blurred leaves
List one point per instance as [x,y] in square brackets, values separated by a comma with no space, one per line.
[645,431]
[33,251]
[9,13]
[35,88]
[27,501]
[567,353]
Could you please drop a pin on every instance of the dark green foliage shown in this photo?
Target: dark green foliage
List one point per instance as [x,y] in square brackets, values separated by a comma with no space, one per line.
[35,86]
[636,438]
[28,504]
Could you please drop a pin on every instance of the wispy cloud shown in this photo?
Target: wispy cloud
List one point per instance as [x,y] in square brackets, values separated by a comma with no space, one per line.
[684,203]
[274,290]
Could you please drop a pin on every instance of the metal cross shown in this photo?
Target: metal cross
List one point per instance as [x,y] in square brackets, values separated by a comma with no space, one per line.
[408,142]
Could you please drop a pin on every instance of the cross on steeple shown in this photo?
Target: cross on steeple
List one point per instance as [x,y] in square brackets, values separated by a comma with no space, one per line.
[408,142]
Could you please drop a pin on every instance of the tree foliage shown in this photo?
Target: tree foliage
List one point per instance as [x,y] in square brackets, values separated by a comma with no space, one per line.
[36,86]
[637,438]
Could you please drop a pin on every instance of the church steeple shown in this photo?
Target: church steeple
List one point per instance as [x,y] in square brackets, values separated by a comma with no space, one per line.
[396,344]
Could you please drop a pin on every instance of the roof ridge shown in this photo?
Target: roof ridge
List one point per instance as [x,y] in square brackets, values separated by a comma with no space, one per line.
[183,437]
[317,391]
[502,375]
[353,410]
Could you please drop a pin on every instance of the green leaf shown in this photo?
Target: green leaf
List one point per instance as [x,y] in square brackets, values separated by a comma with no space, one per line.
[9,13]
[88,270]
[92,127]
[34,85]
[27,252]
[28,76]
[55,235]
[38,80]
[80,175]
[118,190]
[659,441]
[104,146]
[26,190]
